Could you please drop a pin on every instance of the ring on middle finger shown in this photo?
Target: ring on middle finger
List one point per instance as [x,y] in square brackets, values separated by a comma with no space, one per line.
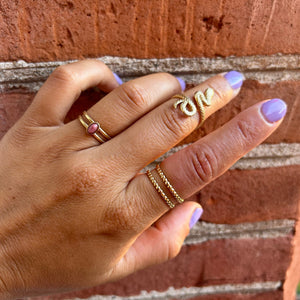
[188,107]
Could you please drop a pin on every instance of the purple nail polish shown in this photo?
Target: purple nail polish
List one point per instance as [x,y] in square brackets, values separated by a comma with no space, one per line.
[274,110]
[119,80]
[235,79]
[196,216]
[182,83]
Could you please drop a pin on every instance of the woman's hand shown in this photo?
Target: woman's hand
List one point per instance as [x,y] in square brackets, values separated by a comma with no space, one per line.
[74,213]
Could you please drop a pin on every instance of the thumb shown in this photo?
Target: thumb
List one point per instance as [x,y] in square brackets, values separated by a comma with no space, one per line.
[164,239]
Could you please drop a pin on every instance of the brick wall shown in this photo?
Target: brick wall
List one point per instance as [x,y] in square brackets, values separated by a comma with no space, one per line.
[247,245]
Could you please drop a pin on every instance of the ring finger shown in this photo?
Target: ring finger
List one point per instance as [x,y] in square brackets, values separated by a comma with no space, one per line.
[190,169]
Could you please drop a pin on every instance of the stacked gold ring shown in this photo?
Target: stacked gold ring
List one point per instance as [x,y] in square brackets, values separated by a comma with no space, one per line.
[93,128]
[167,184]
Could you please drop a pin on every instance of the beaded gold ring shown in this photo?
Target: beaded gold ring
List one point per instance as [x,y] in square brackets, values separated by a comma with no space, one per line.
[168,187]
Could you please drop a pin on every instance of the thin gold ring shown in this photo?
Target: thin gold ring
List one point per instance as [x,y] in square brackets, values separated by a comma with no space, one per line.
[93,128]
[168,184]
[159,190]
[188,107]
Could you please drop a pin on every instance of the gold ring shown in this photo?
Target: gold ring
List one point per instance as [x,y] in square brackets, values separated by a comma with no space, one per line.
[93,128]
[188,107]
[159,190]
[168,186]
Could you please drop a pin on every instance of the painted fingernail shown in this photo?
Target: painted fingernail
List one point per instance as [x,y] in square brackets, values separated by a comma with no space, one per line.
[119,80]
[274,110]
[196,216]
[182,83]
[235,79]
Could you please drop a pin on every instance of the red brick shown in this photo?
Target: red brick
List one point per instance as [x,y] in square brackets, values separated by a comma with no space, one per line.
[210,263]
[252,195]
[65,29]
[13,105]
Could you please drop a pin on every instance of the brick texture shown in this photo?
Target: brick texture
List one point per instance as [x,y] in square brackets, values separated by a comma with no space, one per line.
[210,263]
[189,28]
[12,106]
[252,195]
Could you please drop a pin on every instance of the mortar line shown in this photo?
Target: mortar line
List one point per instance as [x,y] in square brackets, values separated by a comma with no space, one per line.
[265,69]
[191,292]
[203,231]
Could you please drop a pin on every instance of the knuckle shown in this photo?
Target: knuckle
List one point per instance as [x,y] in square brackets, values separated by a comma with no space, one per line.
[175,125]
[99,62]
[204,164]
[135,96]
[220,93]
[247,132]
[174,248]
[65,74]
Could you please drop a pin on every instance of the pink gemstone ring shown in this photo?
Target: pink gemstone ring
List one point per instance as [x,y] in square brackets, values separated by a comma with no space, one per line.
[93,128]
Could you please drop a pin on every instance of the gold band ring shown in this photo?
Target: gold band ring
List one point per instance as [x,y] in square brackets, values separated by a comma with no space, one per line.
[188,107]
[93,128]
[168,186]
[160,190]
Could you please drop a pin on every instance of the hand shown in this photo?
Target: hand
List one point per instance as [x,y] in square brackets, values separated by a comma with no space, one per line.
[75,214]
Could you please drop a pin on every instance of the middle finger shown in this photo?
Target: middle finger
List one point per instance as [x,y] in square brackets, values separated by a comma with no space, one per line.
[163,127]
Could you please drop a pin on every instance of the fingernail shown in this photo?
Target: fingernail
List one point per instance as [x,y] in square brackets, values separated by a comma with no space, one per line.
[235,79]
[196,216]
[274,110]
[119,80]
[182,83]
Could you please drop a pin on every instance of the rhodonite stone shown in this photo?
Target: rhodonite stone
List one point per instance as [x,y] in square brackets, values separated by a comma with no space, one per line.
[93,128]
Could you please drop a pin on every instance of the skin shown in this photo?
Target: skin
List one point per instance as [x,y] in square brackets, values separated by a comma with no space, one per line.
[75,214]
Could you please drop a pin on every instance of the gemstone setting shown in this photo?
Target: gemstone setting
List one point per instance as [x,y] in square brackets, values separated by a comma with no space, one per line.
[93,128]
